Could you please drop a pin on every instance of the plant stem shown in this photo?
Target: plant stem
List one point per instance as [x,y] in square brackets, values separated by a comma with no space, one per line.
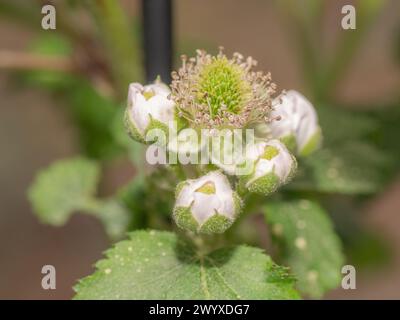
[122,48]
[24,61]
[349,42]
[206,243]
[305,24]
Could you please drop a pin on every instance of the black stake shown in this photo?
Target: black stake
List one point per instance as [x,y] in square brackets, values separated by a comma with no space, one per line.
[157,23]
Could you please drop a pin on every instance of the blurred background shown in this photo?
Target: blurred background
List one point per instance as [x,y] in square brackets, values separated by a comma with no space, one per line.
[46,116]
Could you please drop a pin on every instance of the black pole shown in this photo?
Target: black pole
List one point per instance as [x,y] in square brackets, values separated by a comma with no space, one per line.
[157,23]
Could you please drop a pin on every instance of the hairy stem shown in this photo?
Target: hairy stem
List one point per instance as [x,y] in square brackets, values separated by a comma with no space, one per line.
[122,48]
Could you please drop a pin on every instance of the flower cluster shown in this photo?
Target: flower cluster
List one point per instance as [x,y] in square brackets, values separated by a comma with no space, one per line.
[225,94]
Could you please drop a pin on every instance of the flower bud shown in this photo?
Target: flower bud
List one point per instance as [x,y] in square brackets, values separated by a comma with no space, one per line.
[273,166]
[207,204]
[298,125]
[148,108]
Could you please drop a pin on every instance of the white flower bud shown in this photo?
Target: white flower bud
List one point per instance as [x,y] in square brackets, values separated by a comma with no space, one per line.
[274,166]
[148,107]
[207,204]
[298,125]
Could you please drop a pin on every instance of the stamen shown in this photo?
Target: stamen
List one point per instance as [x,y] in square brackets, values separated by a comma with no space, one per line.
[217,91]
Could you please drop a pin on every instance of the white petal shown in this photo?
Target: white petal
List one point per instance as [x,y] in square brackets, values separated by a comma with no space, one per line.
[204,206]
[298,117]
[185,196]
[262,168]
[138,108]
[281,164]
[159,88]
[284,110]
[134,89]
[161,109]
[283,161]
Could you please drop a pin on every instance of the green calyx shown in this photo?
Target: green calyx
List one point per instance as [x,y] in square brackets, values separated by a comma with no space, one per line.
[184,219]
[217,223]
[155,124]
[265,185]
[179,188]
[290,142]
[312,144]
[131,129]
[222,83]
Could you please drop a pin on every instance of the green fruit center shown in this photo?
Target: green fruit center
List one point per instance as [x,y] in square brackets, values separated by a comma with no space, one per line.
[222,83]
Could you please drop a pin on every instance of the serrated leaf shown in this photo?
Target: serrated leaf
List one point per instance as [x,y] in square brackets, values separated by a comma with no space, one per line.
[349,168]
[308,242]
[62,188]
[159,265]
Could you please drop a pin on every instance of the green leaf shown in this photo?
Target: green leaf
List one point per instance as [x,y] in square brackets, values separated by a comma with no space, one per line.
[50,45]
[70,185]
[92,112]
[133,196]
[308,242]
[386,135]
[368,250]
[350,168]
[159,265]
[340,125]
[93,115]
[115,217]
[356,157]
[62,188]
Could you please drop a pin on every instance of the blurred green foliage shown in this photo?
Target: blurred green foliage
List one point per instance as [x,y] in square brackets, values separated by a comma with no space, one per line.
[308,243]
[52,45]
[359,157]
